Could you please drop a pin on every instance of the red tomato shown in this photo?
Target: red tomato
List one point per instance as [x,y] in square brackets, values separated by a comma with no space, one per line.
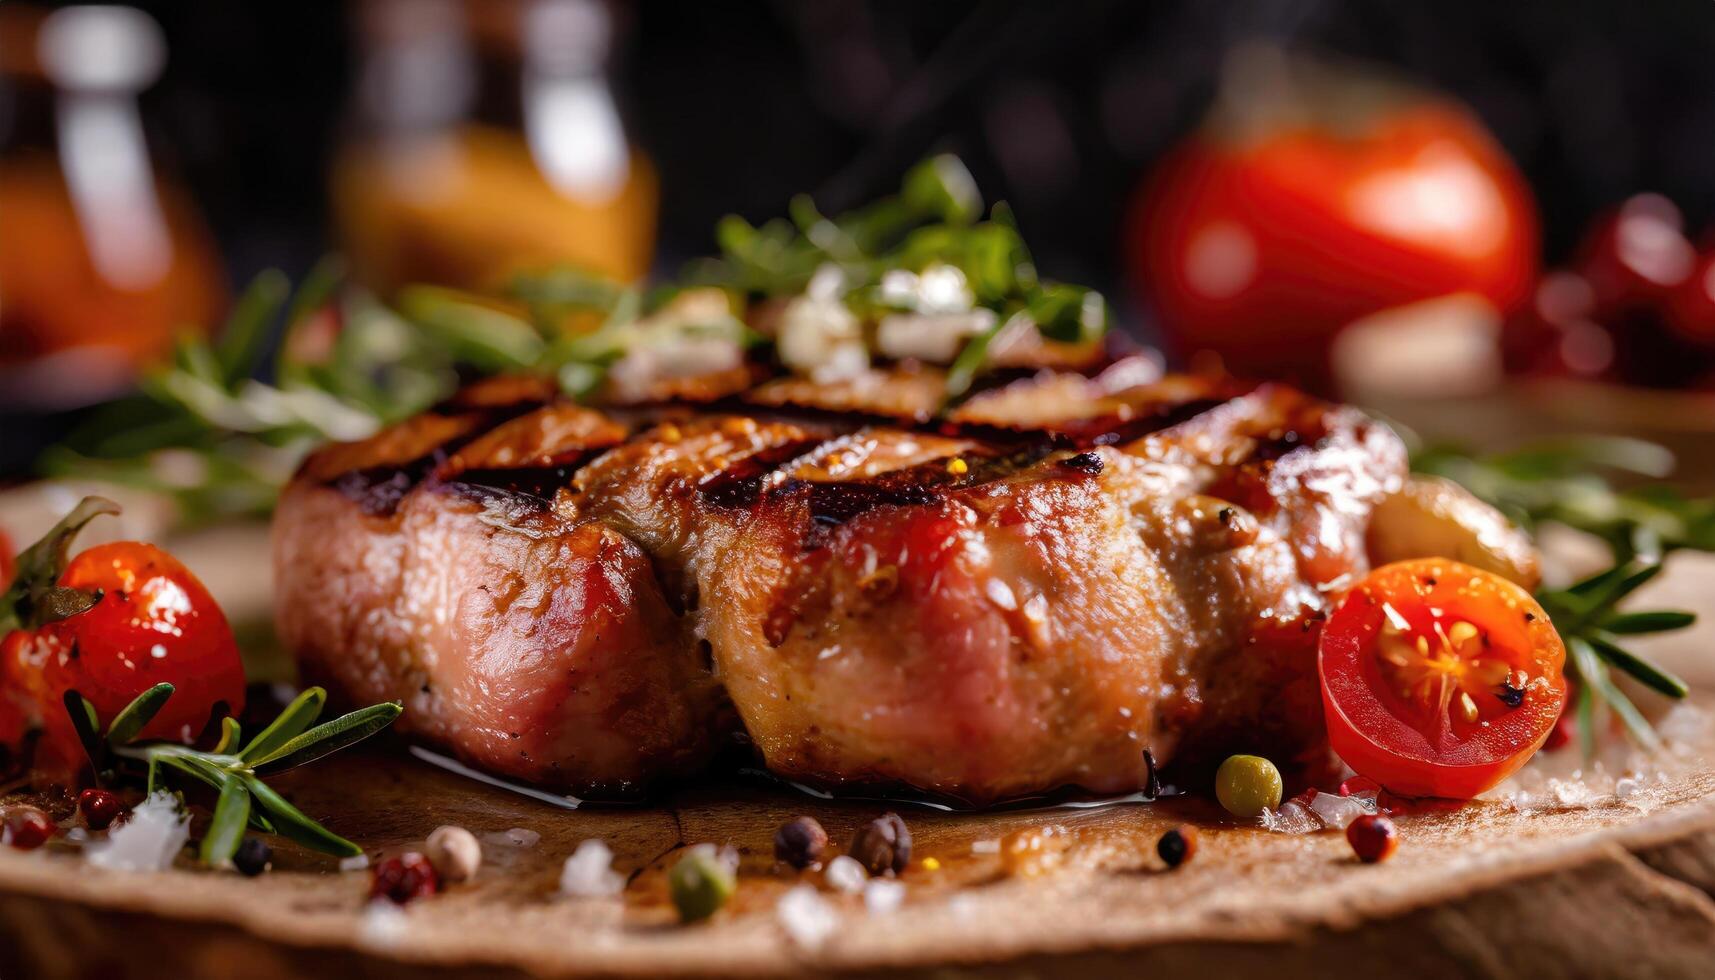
[1439,679]
[1260,245]
[8,560]
[154,622]
[1691,305]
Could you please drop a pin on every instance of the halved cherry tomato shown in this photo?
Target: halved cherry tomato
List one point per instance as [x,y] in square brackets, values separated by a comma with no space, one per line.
[148,620]
[1439,679]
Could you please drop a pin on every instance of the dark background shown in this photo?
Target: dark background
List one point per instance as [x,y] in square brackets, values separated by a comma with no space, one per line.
[1057,107]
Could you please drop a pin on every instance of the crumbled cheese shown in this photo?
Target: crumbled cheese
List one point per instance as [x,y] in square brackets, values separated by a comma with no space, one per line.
[883,895]
[846,874]
[806,917]
[820,337]
[589,873]
[939,288]
[985,847]
[936,338]
[356,863]
[156,832]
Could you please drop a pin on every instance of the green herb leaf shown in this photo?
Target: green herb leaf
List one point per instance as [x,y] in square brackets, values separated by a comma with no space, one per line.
[291,823]
[474,333]
[329,737]
[244,341]
[1592,673]
[1656,621]
[86,723]
[226,829]
[1648,674]
[231,734]
[297,716]
[135,716]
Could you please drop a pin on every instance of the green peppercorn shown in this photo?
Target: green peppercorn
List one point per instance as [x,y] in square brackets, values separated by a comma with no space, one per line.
[700,884]
[1247,784]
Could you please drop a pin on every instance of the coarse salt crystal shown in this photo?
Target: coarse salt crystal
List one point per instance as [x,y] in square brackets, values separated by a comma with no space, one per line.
[1292,818]
[1338,812]
[149,841]
[589,873]
[881,896]
[383,924]
[847,874]
[807,917]
[985,847]
[520,837]
[1625,789]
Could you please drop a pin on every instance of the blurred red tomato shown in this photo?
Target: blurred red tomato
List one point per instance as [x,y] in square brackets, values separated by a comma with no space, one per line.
[1261,245]
[1691,305]
[1636,255]
[8,560]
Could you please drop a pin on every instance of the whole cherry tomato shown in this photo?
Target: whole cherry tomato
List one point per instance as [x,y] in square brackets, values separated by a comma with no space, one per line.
[110,624]
[1439,679]
[1300,207]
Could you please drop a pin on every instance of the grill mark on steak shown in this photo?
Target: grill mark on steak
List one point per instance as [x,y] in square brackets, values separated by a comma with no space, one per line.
[1000,451]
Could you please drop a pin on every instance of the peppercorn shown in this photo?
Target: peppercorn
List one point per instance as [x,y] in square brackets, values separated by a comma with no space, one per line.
[404,878]
[1247,784]
[99,808]
[700,883]
[455,853]
[1090,463]
[1177,846]
[883,845]
[1373,838]
[26,828]
[800,842]
[252,857]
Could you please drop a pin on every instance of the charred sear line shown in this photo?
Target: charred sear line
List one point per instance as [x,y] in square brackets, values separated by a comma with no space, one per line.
[742,484]
[378,490]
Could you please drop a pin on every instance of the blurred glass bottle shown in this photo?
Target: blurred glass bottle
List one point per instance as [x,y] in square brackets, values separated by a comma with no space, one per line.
[103,261]
[487,141]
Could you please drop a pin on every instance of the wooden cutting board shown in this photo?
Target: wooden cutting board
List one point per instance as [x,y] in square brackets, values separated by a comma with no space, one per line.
[1572,888]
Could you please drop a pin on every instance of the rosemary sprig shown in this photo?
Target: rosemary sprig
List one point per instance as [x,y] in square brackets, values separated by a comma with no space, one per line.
[204,432]
[1572,483]
[233,772]
[1588,619]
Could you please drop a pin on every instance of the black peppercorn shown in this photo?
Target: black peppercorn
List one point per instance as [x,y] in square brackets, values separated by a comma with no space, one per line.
[883,845]
[1177,846]
[800,842]
[252,857]
[1090,463]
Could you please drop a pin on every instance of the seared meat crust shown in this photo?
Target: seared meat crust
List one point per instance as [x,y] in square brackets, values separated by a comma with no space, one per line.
[985,607]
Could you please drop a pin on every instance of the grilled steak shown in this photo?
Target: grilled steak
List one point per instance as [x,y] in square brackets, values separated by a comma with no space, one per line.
[1019,596]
